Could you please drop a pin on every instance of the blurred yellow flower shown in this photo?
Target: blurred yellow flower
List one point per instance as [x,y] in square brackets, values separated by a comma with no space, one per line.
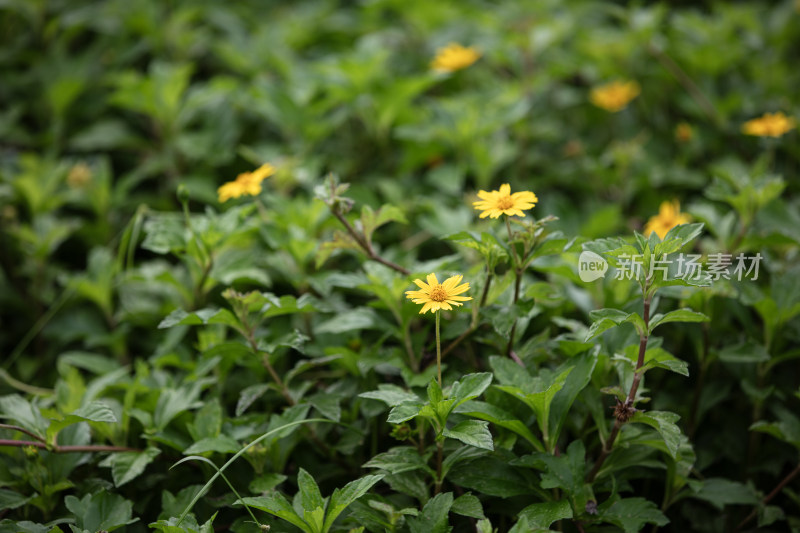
[454,57]
[769,125]
[684,132]
[437,295]
[79,175]
[502,202]
[247,183]
[669,215]
[614,96]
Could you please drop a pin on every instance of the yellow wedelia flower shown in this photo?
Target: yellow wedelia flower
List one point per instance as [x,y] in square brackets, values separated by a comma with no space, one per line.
[769,125]
[502,202]
[246,183]
[454,57]
[614,96]
[437,295]
[669,215]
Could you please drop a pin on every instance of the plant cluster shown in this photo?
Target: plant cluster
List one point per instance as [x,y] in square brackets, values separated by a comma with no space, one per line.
[223,227]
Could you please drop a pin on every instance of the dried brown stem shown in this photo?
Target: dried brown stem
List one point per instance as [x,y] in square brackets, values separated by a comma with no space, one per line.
[66,449]
[366,246]
[778,488]
[624,410]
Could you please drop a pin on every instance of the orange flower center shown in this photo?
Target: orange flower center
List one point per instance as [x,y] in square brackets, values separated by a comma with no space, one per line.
[506,202]
[438,294]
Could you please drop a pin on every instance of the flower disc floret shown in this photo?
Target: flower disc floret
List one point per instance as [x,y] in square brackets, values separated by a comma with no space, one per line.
[503,202]
[434,296]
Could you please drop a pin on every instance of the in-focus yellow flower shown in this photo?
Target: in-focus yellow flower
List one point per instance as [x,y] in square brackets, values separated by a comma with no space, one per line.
[246,183]
[502,202]
[669,215]
[684,132]
[769,125]
[437,295]
[614,96]
[454,57]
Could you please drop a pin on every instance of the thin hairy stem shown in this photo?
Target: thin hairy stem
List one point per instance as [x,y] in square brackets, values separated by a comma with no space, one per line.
[625,410]
[366,246]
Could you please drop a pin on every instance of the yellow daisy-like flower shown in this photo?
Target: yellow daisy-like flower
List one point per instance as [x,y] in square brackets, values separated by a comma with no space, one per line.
[614,96]
[454,57]
[246,183]
[769,125]
[502,202]
[669,215]
[437,295]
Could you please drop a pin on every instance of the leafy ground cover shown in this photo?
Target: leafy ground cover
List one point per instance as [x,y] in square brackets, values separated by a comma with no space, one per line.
[395,266]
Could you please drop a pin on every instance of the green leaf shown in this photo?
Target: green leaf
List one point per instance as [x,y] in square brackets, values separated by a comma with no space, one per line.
[27,415]
[679,315]
[391,395]
[310,497]
[582,368]
[404,412]
[605,319]
[250,395]
[127,466]
[473,432]
[342,498]
[173,402]
[179,317]
[492,476]
[631,514]
[10,499]
[433,518]
[720,492]
[746,352]
[276,505]
[219,444]
[470,386]
[566,471]
[100,511]
[542,515]
[94,411]
[468,505]
[664,423]
[354,320]
[499,417]
[399,459]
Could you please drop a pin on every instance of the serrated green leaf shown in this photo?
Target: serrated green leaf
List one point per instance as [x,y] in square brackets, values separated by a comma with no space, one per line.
[433,518]
[631,514]
[664,423]
[473,432]
[127,466]
[679,315]
[542,515]
[342,498]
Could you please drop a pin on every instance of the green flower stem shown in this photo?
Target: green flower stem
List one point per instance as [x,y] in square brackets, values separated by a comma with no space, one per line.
[438,486]
[438,351]
[519,268]
[475,312]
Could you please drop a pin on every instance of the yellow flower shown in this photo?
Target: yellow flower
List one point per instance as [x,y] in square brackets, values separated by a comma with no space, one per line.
[614,96]
[769,125]
[437,295]
[247,183]
[454,57]
[669,215]
[502,202]
[684,132]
